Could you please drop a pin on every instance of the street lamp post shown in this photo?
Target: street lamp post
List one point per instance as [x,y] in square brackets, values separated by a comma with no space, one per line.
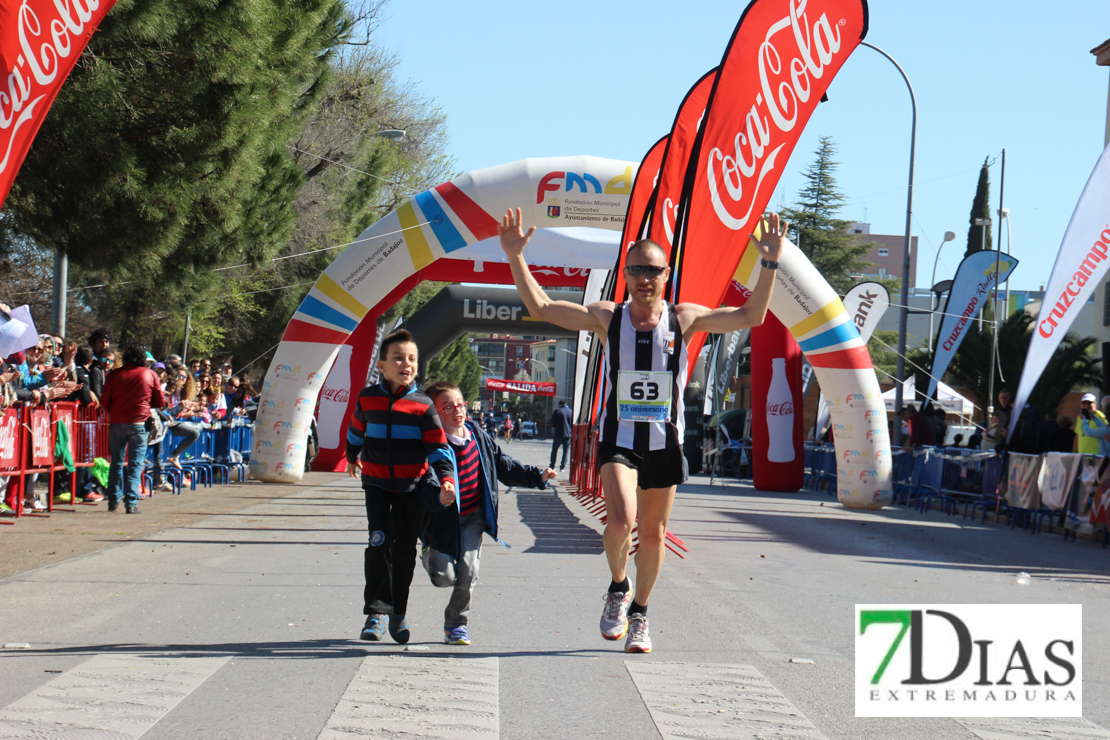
[983,223]
[948,236]
[903,315]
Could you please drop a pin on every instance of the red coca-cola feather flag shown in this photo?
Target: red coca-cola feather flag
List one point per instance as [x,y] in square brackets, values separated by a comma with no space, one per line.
[778,65]
[40,41]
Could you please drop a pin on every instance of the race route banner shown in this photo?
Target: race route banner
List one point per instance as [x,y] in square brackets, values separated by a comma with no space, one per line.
[40,41]
[971,289]
[521,386]
[1080,266]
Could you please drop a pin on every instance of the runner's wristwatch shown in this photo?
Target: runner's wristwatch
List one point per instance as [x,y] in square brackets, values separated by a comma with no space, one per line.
[769,265]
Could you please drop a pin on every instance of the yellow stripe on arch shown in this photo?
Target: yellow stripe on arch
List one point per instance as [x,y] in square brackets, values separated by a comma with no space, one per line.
[746,267]
[331,289]
[819,318]
[417,243]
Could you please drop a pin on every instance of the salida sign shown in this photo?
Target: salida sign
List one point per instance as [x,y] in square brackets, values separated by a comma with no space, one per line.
[521,386]
[969,660]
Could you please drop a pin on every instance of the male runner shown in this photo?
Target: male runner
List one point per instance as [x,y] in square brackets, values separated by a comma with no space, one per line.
[640,441]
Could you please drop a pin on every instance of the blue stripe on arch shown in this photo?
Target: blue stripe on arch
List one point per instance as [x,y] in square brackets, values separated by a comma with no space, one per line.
[449,237]
[836,335]
[317,309]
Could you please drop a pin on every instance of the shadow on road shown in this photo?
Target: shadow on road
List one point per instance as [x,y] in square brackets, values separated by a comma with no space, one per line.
[555,528]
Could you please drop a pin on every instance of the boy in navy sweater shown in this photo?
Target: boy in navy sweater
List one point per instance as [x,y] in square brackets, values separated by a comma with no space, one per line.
[394,437]
[452,536]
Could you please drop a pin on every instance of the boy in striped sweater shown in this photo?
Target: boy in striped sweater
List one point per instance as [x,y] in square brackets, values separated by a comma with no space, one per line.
[394,438]
[452,537]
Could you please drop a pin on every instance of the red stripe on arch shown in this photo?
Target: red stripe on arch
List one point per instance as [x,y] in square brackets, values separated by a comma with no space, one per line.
[481,224]
[853,358]
[302,331]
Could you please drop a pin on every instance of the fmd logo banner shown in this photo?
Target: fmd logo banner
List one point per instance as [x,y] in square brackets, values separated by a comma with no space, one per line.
[969,660]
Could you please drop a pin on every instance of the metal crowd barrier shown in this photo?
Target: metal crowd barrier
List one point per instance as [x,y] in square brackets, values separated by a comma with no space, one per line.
[29,437]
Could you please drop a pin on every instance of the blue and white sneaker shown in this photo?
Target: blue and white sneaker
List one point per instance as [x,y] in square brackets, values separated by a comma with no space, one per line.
[399,628]
[456,636]
[614,617]
[374,629]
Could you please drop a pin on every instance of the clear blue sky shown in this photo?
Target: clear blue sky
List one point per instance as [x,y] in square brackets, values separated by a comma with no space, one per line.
[521,79]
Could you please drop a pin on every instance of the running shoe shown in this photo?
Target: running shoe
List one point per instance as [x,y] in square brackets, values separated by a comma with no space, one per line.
[614,617]
[93,496]
[457,636]
[639,641]
[374,629]
[399,628]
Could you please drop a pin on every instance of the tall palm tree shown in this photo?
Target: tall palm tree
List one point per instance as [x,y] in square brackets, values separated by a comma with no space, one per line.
[1071,367]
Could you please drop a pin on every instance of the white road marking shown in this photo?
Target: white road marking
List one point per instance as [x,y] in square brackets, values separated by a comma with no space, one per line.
[108,697]
[717,701]
[1014,728]
[407,696]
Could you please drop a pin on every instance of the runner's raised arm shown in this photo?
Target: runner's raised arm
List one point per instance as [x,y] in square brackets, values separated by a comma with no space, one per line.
[695,318]
[540,306]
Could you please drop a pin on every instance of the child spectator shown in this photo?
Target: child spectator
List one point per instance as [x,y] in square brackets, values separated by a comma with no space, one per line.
[452,536]
[394,437]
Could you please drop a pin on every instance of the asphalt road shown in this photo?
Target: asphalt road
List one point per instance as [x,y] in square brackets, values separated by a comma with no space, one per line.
[245,624]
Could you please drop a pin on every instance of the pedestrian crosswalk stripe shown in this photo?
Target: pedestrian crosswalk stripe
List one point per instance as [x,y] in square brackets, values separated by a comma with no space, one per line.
[1020,728]
[709,700]
[403,696]
[108,697]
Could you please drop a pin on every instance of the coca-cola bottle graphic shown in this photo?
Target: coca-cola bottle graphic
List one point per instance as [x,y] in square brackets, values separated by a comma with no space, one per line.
[333,401]
[780,414]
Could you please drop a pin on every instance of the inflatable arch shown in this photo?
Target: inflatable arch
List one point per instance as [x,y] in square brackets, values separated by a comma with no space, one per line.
[578,203]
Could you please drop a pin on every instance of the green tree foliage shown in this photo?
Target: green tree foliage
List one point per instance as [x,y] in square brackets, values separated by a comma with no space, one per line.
[980,208]
[883,358]
[164,153]
[815,228]
[1072,366]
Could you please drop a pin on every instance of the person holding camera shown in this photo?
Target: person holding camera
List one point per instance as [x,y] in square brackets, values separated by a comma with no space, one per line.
[1091,438]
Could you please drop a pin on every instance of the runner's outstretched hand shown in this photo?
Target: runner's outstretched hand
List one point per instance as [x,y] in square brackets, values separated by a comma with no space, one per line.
[774,238]
[513,238]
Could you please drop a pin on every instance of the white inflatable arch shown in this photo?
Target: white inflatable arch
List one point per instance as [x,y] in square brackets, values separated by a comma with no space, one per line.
[578,203]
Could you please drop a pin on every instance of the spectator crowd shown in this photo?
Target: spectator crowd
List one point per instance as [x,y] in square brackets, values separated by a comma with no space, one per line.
[191,395]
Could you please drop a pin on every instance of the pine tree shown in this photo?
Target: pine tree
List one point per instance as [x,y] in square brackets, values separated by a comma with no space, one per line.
[815,228]
[980,208]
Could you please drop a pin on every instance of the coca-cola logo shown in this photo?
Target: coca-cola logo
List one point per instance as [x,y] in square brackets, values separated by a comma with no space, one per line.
[336,395]
[7,439]
[785,408]
[783,85]
[43,43]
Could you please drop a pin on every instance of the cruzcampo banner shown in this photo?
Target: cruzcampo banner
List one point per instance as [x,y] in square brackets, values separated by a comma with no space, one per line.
[970,292]
[40,41]
[1080,266]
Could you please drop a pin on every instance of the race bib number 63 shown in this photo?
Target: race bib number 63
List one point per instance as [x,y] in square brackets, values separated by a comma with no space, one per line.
[643,396]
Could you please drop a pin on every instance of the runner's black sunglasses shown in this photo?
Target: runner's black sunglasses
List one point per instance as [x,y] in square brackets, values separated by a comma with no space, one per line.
[650,270]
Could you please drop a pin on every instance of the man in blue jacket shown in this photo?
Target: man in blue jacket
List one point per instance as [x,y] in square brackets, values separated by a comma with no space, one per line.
[452,533]
[560,423]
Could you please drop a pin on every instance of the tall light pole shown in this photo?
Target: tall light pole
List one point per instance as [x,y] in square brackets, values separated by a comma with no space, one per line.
[903,315]
[983,223]
[948,236]
[1004,213]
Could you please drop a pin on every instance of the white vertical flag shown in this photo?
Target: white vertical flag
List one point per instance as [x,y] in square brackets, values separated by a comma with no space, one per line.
[1080,266]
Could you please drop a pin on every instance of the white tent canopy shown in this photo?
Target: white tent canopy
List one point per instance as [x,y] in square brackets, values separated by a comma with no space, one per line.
[947,398]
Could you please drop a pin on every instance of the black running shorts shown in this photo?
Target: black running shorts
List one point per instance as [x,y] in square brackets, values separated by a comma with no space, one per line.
[655,468]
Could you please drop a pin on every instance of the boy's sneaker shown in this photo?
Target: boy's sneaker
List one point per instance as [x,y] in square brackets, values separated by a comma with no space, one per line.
[93,496]
[374,629]
[639,641]
[614,617]
[399,628]
[457,636]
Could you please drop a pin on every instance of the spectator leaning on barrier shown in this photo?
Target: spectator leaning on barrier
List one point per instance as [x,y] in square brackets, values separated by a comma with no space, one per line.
[129,395]
[1063,439]
[920,432]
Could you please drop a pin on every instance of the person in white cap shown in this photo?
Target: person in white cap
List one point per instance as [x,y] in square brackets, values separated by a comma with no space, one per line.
[1088,439]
